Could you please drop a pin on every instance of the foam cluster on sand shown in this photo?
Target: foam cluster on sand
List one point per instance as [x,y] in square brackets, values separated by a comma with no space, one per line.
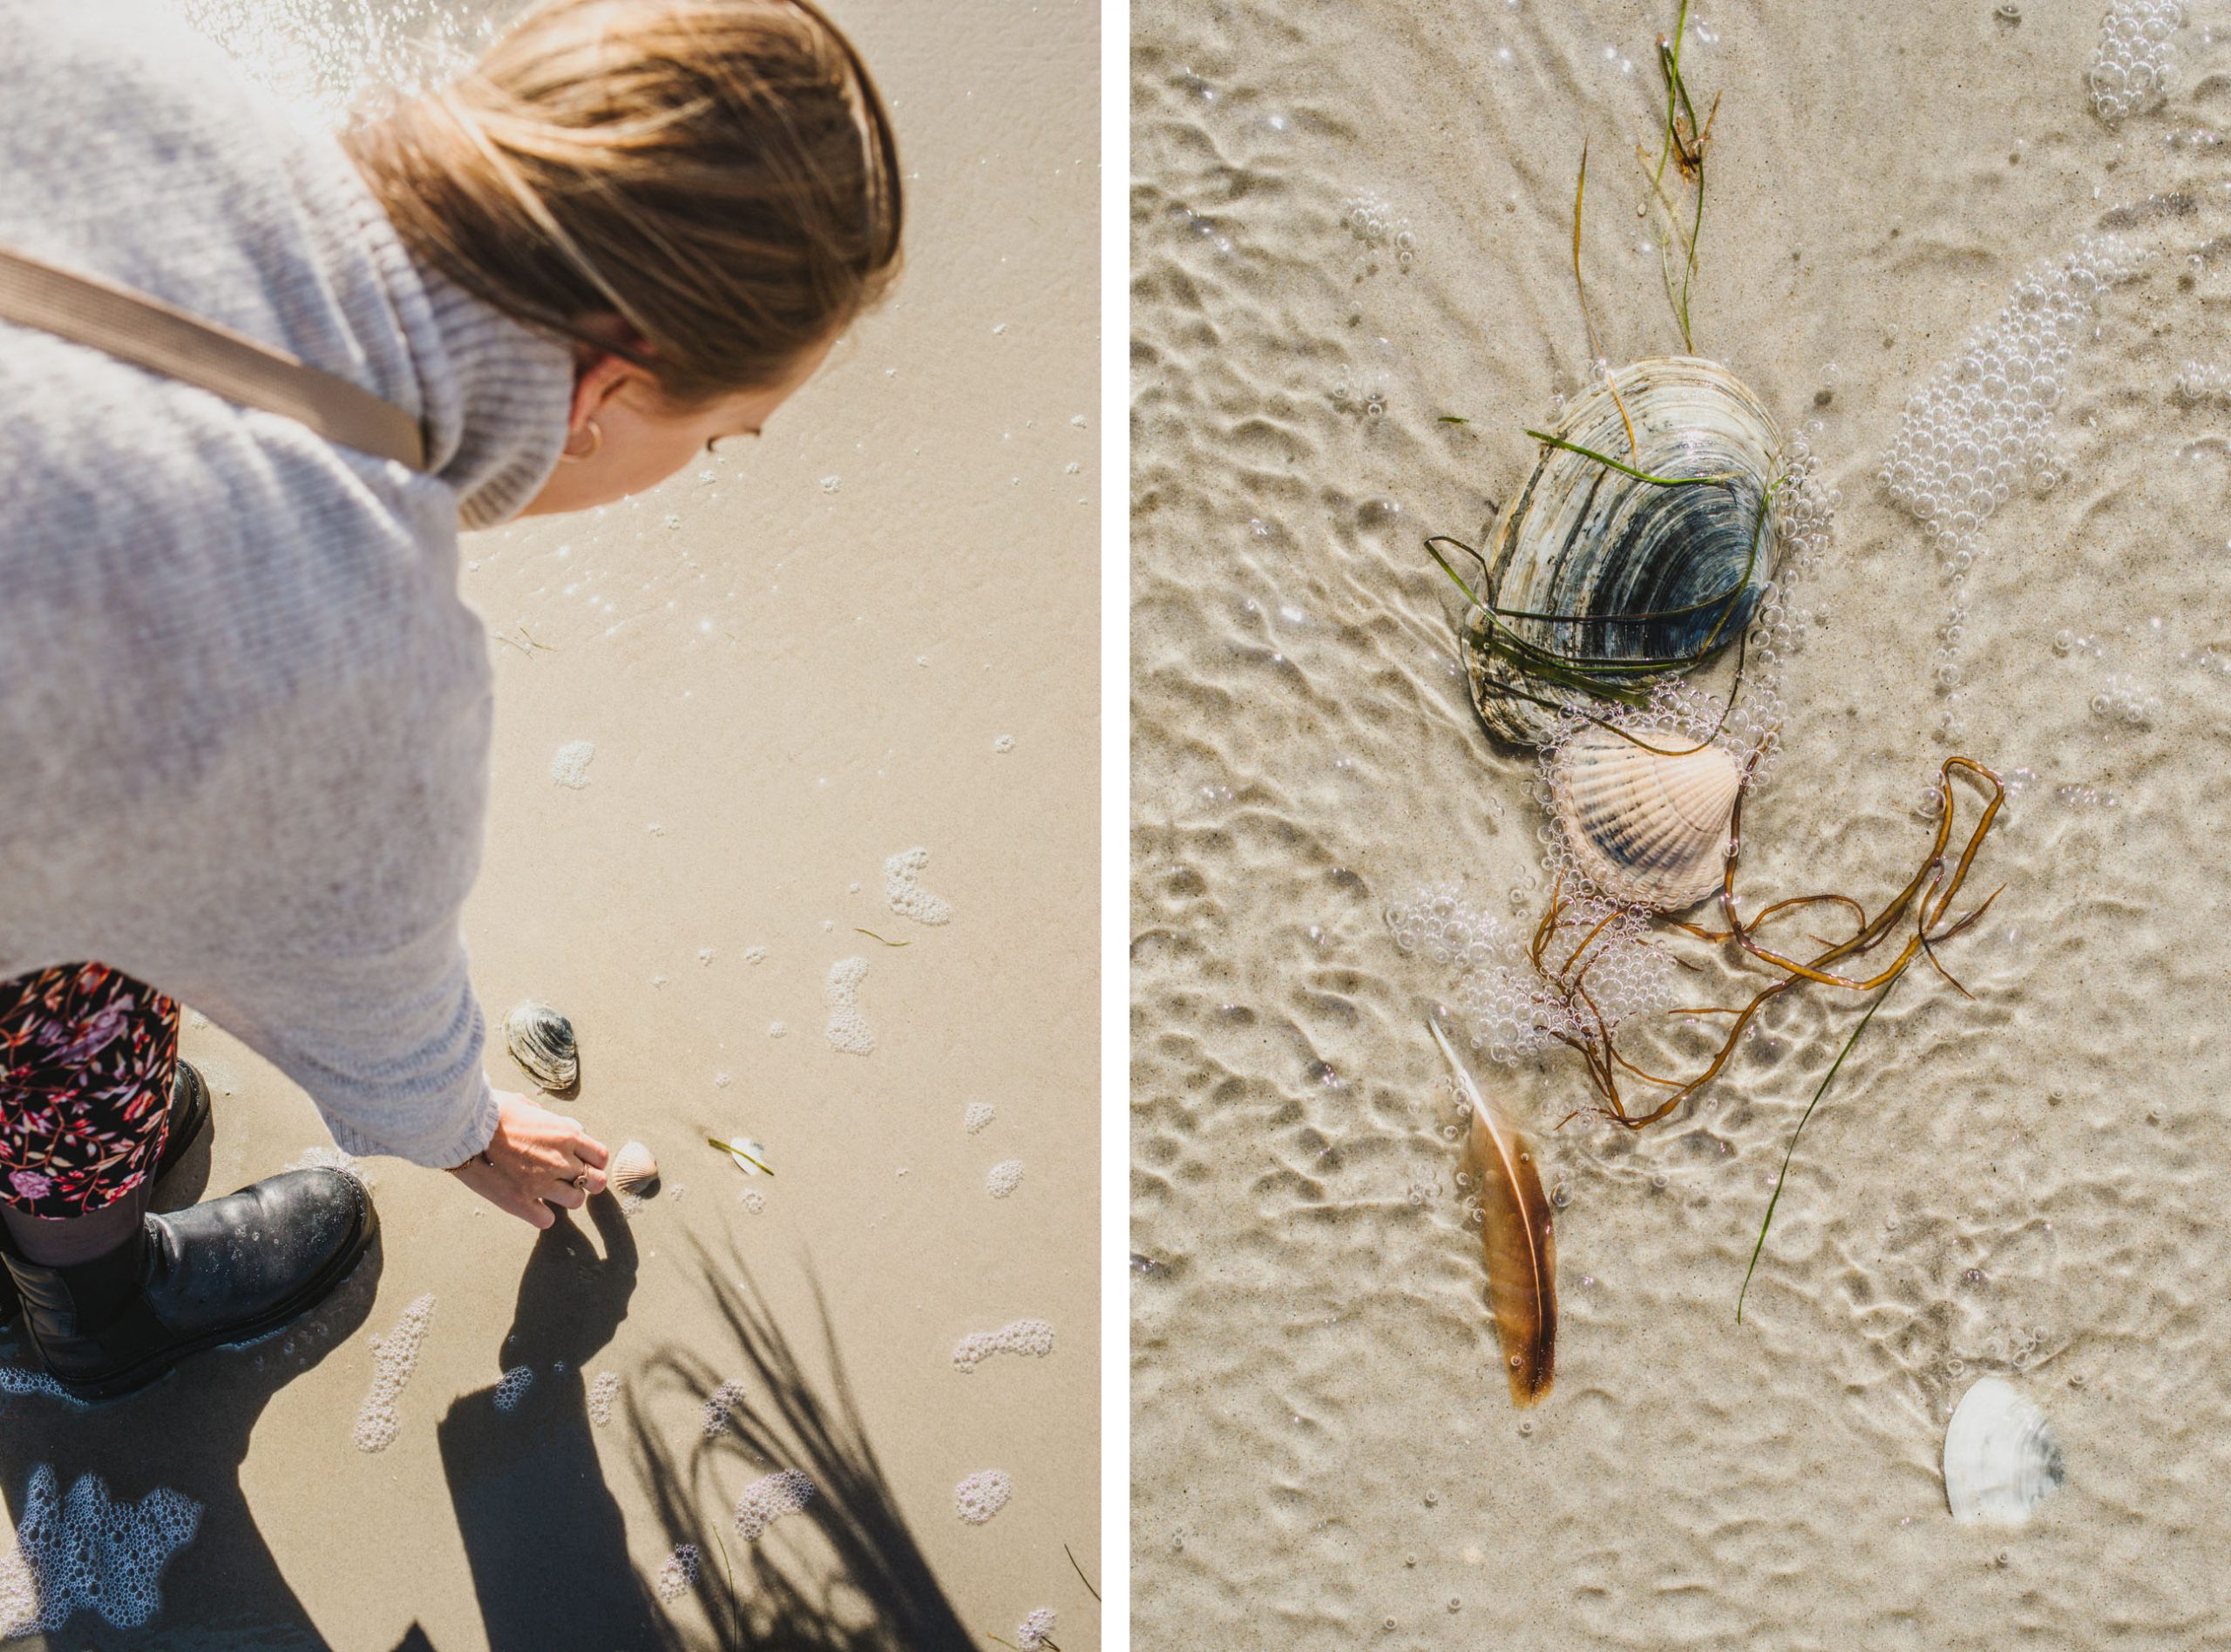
[1510,1013]
[1036,1630]
[1980,421]
[1003,1178]
[679,1575]
[602,1392]
[980,1114]
[394,1356]
[570,766]
[902,886]
[848,1029]
[511,1387]
[1032,1336]
[982,1495]
[2130,66]
[85,1551]
[764,1501]
[720,1405]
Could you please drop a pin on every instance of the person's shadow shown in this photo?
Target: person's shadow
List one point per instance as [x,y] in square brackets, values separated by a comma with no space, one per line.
[542,1533]
[544,1537]
[188,1432]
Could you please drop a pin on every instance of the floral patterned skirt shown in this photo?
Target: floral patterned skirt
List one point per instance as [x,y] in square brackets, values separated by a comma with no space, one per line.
[86,1058]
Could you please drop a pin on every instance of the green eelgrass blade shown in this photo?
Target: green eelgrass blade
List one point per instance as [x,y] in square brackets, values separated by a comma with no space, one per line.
[1671,61]
[1782,1181]
[1719,479]
[735,1152]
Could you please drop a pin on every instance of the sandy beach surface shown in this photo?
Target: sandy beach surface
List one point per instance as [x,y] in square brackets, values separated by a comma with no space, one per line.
[872,632]
[1353,226]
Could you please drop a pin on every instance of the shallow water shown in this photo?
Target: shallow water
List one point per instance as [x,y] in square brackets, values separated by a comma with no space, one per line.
[1350,222]
[793,664]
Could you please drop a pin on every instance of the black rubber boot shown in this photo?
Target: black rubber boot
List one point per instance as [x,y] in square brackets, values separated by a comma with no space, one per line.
[224,1271]
[189,1114]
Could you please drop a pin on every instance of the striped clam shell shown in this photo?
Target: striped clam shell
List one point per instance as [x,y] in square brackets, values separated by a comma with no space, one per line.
[1583,545]
[541,1041]
[1646,829]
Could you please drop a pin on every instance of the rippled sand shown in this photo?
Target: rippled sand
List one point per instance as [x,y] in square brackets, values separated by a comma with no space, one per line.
[2029,1184]
[787,681]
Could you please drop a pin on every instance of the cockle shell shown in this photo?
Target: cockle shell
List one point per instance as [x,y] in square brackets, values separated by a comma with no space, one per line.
[2000,1455]
[631,1170]
[1586,551]
[541,1041]
[1644,828]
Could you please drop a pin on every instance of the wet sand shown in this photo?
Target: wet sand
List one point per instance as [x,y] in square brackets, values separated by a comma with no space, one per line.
[1351,224]
[794,662]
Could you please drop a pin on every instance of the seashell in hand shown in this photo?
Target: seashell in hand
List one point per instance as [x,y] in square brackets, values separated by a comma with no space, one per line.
[1644,828]
[541,1041]
[631,1171]
[2000,1455]
[1593,565]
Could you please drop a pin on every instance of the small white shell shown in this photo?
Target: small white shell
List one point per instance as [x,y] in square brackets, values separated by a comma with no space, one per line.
[2000,1455]
[541,1041]
[631,1169]
[1645,828]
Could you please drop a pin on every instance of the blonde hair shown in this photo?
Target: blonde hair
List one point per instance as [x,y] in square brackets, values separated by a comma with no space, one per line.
[721,174]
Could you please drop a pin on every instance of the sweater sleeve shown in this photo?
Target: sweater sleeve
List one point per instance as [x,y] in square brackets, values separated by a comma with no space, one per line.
[388,1046]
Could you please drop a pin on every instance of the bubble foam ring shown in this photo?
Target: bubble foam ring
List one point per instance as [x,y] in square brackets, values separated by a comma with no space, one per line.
[2202,381]
[602,1392]
[570,766]
[1033,1337]
[980,1114]
[511,1387]
[848,1031]
[394,1356]
[982,1495]
[1036,1630]
[1003,1178]
[902,887]
[764,1501]
[2130,66]
[18,1379]
[85,1551]
[679,1575]
[752,1199]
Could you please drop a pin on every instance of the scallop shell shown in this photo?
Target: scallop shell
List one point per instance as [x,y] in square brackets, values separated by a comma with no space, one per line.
[1645,829]
[632,1170]
[541,1041]
[2000,1455]
[1588,545]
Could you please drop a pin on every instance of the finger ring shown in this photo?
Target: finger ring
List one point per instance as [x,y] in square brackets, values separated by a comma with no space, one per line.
[582,1180]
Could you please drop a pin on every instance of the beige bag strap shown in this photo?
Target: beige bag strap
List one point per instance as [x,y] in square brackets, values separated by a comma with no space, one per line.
[149,333]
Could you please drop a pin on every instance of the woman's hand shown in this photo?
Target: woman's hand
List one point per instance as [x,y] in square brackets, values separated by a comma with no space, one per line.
[536,1159]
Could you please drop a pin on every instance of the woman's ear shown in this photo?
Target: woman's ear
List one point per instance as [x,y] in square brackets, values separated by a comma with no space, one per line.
[596,378]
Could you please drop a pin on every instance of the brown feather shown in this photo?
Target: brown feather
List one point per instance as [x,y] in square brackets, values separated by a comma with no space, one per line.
[1516,1238]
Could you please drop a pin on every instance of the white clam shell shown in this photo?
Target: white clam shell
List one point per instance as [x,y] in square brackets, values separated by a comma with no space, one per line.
[2000,1455]
[541,1041]
[1645,829]
[631,1169]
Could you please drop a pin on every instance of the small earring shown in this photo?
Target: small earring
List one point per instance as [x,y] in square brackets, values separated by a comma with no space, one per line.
[596,441]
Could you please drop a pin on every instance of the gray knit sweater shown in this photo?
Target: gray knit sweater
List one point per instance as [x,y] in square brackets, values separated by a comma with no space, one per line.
[244,712]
